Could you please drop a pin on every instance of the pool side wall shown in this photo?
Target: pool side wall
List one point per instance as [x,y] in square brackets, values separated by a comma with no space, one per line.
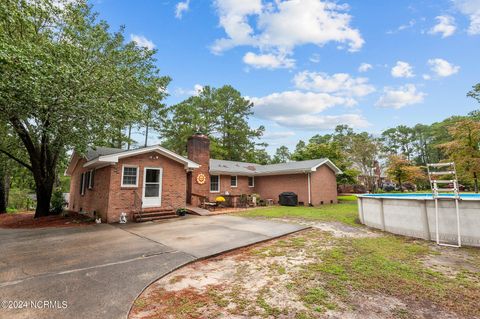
[416,218]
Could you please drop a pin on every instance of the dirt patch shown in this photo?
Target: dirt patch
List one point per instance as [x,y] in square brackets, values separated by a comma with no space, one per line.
[330,271]
[454,262]
[337,229]
[26,220]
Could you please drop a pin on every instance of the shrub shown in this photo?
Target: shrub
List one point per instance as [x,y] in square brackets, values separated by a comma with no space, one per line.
[57,202]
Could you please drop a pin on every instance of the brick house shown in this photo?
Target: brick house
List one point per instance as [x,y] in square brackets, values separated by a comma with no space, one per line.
[110,181]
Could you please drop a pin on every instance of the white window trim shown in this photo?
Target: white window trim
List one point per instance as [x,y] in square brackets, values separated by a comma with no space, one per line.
[90,179]
[218,184]
[236,181]
[253,180]
[136,180]
[82,184]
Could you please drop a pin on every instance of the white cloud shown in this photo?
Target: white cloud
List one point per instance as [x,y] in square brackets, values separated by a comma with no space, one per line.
[402,27]
[442,67]
[269,61]
[315,58]
[280,26]
[302,110]
[470,8]
[141,41]
[341,84]
[277,135]
[402,70]
[197,88]
[322,122]
[289,103]
[400,97]
[364,67]
[426,77]
[445,26]
[181,7]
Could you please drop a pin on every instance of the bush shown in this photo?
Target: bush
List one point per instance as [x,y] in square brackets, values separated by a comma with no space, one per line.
[57,202]
[20,199]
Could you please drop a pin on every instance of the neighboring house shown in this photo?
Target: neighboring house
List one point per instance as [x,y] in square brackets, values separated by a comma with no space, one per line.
[110,181]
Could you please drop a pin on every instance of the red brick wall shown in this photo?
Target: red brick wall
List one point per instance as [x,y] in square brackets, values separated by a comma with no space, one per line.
[95,199]
[173,184]
[109,199]
[324,186]
[242,186]
[272,186]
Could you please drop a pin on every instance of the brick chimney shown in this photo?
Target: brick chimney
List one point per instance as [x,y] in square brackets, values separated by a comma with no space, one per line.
[198,150]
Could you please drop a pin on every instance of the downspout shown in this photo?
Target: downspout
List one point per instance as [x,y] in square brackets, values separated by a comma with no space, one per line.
[309,190]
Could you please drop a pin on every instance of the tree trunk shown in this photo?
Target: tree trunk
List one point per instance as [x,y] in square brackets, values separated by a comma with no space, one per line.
[43,190]
[129,136]
[475,182]
[3,191]
[146,135]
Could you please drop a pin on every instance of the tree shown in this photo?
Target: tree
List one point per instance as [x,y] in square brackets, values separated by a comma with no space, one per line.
[67,82]
[330,150]
[399,140]
[222,114]
[282,155]
[363,150]
[464,149]
[475,92]
[401,170]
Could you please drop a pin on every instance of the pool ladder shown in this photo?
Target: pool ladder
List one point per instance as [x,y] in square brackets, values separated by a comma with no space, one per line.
[435,172]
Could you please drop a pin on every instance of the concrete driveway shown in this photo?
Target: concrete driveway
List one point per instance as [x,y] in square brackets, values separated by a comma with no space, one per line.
[98,271]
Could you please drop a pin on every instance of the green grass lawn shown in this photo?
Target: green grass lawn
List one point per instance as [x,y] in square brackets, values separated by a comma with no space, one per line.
[345,212]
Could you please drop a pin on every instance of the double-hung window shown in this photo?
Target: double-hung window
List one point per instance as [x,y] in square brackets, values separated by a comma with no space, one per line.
[214,183]
[251,181]
[233,181]
[129,176]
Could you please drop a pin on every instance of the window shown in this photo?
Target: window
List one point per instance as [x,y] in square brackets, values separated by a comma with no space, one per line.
[88,177]
[90,180]
[82,184]
[251,181]
[233,181]
[214,183]
[130,176]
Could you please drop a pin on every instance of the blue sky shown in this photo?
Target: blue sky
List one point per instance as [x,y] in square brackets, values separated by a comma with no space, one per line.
[300,61]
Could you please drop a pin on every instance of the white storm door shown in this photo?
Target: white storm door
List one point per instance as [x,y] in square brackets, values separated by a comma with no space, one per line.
[152,187]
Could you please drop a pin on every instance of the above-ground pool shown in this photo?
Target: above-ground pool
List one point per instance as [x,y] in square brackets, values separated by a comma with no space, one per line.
[414,215]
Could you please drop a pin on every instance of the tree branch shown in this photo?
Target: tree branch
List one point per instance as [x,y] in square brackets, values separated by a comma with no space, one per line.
[16,159]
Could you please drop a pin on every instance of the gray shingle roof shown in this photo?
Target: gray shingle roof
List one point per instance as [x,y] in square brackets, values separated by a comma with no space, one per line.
[93,153]
[241,168]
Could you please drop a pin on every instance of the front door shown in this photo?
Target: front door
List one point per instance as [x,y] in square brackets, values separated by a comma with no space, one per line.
[152,187]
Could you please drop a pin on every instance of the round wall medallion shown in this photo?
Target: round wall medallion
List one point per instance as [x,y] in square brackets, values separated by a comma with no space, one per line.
[201,179]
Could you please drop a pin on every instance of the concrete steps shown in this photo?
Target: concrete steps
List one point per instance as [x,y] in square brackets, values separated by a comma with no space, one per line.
[153,215]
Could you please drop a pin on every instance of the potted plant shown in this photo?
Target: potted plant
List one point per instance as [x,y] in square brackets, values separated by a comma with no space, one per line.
[181,212]
[220,200]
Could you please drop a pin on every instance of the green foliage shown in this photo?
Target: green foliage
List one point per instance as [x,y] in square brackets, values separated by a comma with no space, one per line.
[19,199]
[401,170]
[353,153]
[67,83]
[464,149]
[222,114]
[282,155]
[57,203]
